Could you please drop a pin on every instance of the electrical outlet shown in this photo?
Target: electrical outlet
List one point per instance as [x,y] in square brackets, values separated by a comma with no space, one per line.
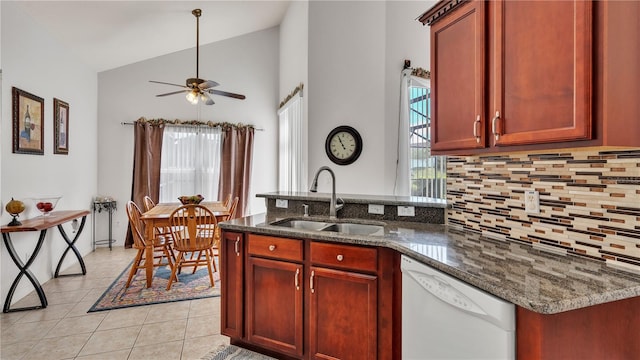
[532,202]
[406,211]
[282,203]
[376,209]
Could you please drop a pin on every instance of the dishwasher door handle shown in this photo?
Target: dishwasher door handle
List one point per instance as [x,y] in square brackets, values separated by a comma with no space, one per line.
[440,288]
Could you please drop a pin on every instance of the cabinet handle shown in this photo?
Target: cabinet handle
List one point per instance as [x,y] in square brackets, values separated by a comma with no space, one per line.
[237,246]
[313,273]
[494,129]
[475,129]
[272,247]
[340,257]
[297,281]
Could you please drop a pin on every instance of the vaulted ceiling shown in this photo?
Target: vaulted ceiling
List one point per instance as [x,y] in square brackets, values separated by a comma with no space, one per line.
[110,34]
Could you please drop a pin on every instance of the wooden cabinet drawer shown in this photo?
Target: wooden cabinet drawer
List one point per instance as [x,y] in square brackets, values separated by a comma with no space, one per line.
[279,248]
[344,256]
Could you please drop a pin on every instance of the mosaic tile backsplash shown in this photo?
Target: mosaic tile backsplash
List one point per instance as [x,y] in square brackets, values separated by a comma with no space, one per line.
[589,201]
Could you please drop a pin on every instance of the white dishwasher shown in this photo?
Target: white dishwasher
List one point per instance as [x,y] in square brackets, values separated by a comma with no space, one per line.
[445,318]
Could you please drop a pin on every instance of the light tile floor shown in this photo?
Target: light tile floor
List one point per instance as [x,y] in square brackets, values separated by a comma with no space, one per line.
[64,330]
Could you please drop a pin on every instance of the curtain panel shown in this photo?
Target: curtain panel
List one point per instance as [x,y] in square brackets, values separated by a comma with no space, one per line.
[146,165]
[190,162]
[235,170]
[402,185]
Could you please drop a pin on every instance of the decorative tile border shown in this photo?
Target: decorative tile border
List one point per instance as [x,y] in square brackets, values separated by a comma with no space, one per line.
[589,201]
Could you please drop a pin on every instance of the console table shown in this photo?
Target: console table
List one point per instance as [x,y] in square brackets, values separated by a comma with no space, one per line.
[42,224]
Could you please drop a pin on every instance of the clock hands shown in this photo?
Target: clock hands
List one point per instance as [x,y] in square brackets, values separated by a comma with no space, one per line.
[339,139]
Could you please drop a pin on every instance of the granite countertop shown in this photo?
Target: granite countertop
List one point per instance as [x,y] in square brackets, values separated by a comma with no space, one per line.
[532,278]
[358,198]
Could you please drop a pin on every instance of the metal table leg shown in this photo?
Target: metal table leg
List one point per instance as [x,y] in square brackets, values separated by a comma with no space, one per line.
[24,270]
[71,246]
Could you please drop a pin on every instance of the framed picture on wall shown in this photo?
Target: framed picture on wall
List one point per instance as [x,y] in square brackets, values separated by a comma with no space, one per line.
[28,122]
[60,127]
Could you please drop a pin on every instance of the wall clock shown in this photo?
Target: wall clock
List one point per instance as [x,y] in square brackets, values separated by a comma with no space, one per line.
[343,145]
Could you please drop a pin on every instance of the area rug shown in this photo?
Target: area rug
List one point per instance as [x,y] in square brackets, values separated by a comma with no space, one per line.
[228,352]
[189,287]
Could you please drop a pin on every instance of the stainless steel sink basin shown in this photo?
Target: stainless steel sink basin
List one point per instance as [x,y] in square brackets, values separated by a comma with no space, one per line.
[303,224]
[356,229]
[339,227]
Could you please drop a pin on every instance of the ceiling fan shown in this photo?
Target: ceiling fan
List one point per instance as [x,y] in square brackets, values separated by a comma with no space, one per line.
[199,89]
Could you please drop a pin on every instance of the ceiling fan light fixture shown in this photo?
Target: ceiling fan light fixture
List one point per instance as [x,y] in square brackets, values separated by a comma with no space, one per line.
[196,89]
[192,97]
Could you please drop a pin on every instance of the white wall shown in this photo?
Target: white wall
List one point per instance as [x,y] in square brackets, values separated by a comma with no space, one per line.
[34,62]
[294,57]
[356,52]
[247,65]
[408,39]
[346,87]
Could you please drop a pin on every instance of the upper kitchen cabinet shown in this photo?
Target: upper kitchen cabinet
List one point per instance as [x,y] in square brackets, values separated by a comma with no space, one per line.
[530,75]
[457,78]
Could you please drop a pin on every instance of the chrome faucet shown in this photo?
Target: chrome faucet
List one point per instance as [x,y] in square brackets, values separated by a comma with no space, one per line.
[334,206]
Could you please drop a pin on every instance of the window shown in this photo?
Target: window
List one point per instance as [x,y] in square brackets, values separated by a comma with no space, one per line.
[292,158]
[428,173]
[190,162]
[418,174]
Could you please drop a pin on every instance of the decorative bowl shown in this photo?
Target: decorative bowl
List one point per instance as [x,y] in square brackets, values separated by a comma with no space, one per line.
[193,199]
[46,204]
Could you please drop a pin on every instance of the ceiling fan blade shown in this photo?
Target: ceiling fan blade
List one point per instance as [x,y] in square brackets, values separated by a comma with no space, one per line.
[224,93]
[207,99]
[173,92]
[207,84]
[166,83]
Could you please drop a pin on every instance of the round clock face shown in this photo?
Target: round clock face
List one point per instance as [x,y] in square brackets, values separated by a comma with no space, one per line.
[343,145]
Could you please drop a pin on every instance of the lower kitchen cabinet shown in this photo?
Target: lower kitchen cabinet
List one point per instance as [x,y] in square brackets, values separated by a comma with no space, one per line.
[231,270]
[342,315]
[606,331]
[304,299]
[274,305]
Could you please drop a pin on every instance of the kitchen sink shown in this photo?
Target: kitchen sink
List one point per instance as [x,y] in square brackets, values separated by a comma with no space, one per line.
[302,224]
[355,229]
[339,227]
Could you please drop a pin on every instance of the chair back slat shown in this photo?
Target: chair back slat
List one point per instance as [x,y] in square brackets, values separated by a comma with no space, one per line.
[233,208]
[193,228]
[227,201]
[148,203]
[137,226]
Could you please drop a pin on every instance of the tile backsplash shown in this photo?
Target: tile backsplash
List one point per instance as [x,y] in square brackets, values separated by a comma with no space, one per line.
[589,201]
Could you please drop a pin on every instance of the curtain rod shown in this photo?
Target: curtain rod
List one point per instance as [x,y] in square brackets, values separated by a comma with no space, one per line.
[169,124]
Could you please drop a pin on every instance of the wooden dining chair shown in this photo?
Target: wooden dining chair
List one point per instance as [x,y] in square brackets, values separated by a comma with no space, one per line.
[227,201]
[215,249]
[193,228]
[161,248]
[160,231]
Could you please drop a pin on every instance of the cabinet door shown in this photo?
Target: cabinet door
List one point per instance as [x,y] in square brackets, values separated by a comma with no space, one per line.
[541,71]
[342,315]
[231,276]
[274,305]
[458,81]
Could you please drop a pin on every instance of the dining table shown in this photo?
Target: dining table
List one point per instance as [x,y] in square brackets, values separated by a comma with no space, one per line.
[159,217]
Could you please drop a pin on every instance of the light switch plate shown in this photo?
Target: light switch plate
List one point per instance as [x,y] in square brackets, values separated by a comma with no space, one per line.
[406,211]
[376,209]
[282,203]
[532,202]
